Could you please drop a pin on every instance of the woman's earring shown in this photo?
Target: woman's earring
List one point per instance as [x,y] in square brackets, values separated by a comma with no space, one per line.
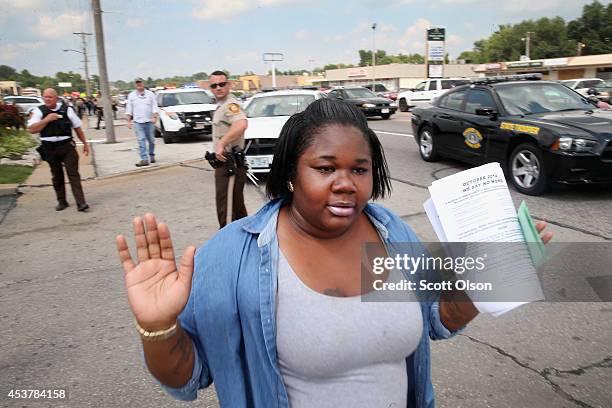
[290,186]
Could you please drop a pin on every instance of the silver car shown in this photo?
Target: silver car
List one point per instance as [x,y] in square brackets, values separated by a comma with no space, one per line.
[25,103]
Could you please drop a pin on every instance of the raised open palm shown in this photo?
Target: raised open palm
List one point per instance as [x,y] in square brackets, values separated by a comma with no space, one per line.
[157,290]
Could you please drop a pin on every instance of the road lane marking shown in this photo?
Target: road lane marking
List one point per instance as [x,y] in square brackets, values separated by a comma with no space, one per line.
[393,133]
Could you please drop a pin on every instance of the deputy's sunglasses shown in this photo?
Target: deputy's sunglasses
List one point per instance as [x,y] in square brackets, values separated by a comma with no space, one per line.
[220,85]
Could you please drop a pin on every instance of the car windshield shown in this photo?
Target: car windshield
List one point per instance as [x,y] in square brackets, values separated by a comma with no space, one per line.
[533,98]
[360,93]
[184,98]
[278,105]
[605,84]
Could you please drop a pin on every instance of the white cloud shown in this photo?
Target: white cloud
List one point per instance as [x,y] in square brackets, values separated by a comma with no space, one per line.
[414,36]
[454,40]
[213,9]
[10,51]
[59,25]
[302,34]
[21,5]
[224,10]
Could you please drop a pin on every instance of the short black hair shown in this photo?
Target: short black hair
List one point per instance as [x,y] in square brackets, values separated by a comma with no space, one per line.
[299,132]
[219,73]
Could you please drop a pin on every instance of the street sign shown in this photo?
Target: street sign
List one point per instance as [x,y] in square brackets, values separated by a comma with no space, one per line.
[436,34]
[435,51]
[525,64]
[65,84]
[272,57]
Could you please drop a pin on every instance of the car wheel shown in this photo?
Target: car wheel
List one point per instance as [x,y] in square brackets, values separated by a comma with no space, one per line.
[427,145]
[403,106]
[527,170]
[157,133]
[166,136]
[386,115]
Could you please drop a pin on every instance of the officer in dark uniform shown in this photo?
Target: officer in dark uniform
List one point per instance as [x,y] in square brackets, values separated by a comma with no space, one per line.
[229,124]
[54,121]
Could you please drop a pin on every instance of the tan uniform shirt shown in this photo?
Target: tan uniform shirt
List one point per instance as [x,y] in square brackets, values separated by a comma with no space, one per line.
[228,112]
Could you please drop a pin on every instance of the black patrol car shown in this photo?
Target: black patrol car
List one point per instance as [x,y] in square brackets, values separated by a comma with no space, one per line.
[541,132]
[366,100]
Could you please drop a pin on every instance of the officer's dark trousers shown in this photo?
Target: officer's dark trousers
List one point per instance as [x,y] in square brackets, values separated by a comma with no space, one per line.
[222,181]
[65,153]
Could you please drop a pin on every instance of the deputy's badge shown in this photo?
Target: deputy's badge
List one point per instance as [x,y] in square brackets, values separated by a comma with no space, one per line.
[233,108]
[472,138]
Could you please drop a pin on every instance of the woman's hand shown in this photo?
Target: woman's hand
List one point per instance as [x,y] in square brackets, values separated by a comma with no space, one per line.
[157,290]
[545,236]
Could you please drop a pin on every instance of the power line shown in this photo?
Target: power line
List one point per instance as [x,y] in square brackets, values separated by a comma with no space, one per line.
[83,36]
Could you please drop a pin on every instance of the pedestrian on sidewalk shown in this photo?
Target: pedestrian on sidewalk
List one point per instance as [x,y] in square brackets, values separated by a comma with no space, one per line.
[54,121]
[229,124]
[142,110]
[99,109]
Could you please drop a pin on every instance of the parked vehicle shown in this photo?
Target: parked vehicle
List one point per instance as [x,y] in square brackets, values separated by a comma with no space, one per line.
[602,91]
[267,113]
[424,93]
[24,103]
[582,85]
[541,132]
[369,103]
[184,113]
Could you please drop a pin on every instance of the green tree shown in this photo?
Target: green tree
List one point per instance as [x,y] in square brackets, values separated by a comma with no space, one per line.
[593,29]
[7,73]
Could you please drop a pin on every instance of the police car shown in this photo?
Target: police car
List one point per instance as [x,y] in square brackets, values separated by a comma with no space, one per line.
[541,132]
[184,113]
[267,113]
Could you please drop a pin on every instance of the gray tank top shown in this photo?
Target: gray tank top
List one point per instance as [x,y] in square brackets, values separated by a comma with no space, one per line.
[341,352]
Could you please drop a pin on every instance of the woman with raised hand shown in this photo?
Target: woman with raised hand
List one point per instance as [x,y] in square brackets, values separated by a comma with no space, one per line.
[271,308]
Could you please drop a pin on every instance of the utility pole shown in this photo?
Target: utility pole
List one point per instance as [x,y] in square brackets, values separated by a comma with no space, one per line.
[527,40]
[374,57]
[106,96]
[85,60]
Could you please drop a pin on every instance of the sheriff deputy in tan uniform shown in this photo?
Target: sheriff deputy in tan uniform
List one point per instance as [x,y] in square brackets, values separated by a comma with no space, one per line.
[229,124]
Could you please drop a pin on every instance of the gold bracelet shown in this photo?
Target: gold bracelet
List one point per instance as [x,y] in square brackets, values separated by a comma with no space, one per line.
[156,335]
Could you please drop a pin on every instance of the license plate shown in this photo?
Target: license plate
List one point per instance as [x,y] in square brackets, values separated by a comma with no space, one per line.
[384,111]
[199,125]
[256,162]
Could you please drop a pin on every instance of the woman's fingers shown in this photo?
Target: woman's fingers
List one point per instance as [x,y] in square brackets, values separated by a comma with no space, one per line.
[547,236]
[165,242]
[540,225]
[142,248]
[152,236]
[124,254]
[186,266]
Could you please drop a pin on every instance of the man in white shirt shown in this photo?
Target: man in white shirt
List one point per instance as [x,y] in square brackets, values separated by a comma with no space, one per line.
[142,111]
[54,121]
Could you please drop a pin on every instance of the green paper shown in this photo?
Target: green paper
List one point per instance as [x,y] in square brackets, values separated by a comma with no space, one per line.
[532,238]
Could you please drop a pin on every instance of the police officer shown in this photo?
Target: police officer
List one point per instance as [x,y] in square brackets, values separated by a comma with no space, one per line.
[54,121]
[229,124]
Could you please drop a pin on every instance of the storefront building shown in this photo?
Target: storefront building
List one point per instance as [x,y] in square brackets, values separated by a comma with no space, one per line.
[588,66]
[392,76]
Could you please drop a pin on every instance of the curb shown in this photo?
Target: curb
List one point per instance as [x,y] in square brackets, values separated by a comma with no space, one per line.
[147,169]
[8,189]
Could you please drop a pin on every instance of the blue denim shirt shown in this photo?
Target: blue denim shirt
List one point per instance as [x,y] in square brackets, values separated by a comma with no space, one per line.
[230,315]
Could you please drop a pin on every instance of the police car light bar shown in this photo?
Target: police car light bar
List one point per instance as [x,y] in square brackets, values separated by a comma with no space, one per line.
[506,78]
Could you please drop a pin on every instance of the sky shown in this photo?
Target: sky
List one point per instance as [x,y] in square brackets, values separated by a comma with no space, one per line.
[161,38]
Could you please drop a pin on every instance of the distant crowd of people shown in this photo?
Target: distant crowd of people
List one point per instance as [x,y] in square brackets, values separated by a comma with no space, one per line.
[92,106]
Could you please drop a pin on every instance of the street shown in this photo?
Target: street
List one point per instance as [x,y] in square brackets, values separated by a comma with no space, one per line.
[66,322]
